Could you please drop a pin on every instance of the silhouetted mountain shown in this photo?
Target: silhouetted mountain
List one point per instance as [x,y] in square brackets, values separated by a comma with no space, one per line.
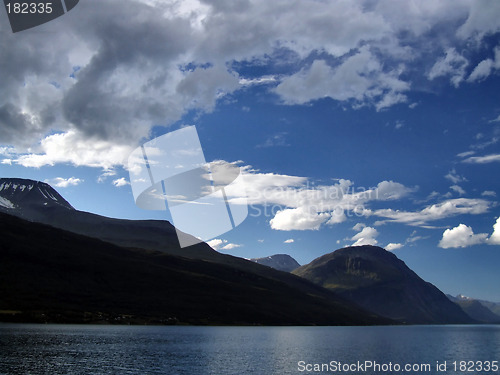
[39,202]
[281,262]
[25,196]
[48,274]
[380,282]
[144,234]
[476,309]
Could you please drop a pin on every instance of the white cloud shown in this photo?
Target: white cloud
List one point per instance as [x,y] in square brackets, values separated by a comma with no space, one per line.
[414,238]
[360,78]
[453,64]
[73,147]
[481,71]
[358,227]
[495,119]
[298,204]
[495,236]
[215,243]
[120,182]
[482,19]
[489,193]
[230,246]
[365,237]
[466,153]
[393,246]
[461,236]
[448,208]
[291,240]
[220,244]
[298,219]
[454,177]
[457,189]
[64,182]
[482,159]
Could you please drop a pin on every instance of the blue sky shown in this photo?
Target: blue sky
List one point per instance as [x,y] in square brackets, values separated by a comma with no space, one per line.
[372,122]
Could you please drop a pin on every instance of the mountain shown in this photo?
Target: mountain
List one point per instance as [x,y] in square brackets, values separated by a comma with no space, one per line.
[38,202]
[380,282]
[28,196]
[45,205]
[476,309]
[281,262]
[52,275]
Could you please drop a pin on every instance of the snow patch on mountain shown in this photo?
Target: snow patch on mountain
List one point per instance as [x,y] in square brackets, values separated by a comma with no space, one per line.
[4,202]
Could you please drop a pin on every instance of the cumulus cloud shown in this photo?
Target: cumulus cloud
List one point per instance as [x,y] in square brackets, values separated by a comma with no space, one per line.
[230,246]
[296,203]
[495,236]
[220,244]
[73,147]
[120,182]
[452,64]
[215,243]
[393,246]
[298,219]
[360,79]
[365,237]
[64,182]
[461,236]
[291,240]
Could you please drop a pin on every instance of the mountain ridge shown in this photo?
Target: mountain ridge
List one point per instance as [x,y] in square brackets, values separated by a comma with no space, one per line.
[477,309]
[382,283]
[51,275]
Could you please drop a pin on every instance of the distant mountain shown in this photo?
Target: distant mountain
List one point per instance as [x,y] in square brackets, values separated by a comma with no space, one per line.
[380,282]
[476,309]
[51,275]
[280,262]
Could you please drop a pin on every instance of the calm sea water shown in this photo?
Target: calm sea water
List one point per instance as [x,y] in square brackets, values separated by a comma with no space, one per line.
[74,349]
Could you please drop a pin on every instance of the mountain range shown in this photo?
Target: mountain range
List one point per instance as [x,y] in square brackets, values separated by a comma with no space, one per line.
[59,264]
[55,271]
[482,311]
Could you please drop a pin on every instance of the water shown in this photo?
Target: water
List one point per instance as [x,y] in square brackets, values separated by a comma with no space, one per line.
[103,350]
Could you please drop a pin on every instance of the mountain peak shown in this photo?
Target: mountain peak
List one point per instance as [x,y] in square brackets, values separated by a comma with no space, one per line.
[281,262]
[20,193]
[379,281]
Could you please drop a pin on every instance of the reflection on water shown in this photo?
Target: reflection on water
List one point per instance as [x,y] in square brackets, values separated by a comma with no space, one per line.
[73,349]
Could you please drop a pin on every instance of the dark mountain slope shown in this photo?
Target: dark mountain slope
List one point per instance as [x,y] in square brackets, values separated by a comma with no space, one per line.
[47,274]
[380,282]
[157,235]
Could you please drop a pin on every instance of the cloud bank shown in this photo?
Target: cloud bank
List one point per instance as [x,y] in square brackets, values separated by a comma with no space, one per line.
[122,67]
